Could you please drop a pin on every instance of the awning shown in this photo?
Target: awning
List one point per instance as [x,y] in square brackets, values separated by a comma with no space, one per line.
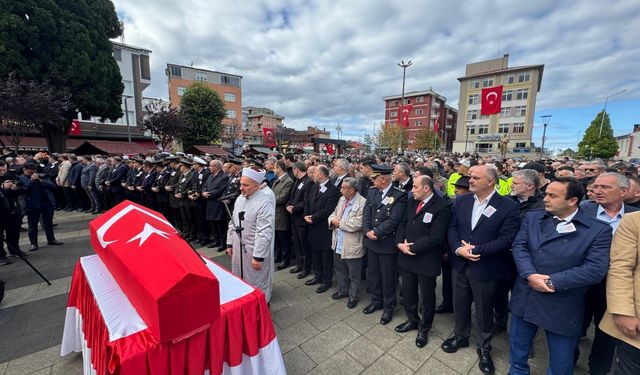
[207,149]
[339,142]
[36,144]
[262,150]
[91,147]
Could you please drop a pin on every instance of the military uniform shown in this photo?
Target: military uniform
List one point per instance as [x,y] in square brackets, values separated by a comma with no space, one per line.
[174,204]
[199,205]
[161,195]
[184,204]
[233,188]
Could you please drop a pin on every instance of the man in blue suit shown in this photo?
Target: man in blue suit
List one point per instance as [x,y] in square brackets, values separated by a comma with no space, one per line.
[559,253]
[39,201]
[115,180]
[483,225]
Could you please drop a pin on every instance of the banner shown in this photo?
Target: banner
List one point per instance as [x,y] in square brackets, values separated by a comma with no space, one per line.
[269,137]
[491,100]
[75,128]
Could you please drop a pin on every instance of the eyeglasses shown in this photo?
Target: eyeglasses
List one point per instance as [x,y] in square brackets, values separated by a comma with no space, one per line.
[589,170]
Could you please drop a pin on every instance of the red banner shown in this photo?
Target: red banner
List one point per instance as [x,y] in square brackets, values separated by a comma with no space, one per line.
[491,100]
[436,125]
[403,114]
[75,128]
[269,137]
[329,147]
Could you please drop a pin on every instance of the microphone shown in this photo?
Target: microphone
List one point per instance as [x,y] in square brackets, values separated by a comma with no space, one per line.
[241,216]
[228,197]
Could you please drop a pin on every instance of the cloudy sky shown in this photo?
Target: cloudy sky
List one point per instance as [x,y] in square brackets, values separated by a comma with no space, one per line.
[327,62]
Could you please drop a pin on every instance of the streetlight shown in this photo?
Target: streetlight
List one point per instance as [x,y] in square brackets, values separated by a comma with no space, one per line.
[546,119]
[466,141]
[126,115]
[604,111]
[404,67]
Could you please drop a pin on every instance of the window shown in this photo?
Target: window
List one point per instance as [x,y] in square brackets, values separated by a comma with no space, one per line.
[521,144]
[474,99]
[394,103]
[507,95]
[394,114]
[522,94]
[201,76]
[128,88]
[117,54]
[407,101]
[503,128]
[419,111]
[230,80]
[484,147]
[505,112]
[181,90]
[231,113]
[487,82]
[520,110]
[229,97]
[518,128]
[474,84]
[420,99]
[472,115]
[509,80]
[418,123]
[175,71]
[145,72]
[523,77]
[483,129]
[471,129]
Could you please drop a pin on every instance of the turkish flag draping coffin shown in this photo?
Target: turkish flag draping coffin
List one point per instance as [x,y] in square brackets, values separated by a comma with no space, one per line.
[170,287]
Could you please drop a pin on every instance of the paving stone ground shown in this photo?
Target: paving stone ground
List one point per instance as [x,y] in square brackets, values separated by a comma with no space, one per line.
[317,335]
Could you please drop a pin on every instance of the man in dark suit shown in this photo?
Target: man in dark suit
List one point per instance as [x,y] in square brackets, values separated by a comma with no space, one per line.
[364,182]
[420,239]
[302,188]
[340,171]
[150,175]
[609,190]
[402,177]
[213,189]
[383,213]
[320,204]
[115,180]
[39,202]
[483,225]
[560,253]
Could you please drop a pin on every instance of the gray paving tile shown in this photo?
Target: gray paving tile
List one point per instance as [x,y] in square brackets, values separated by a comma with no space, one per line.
[3,367]
[462,361]
[383,337]
[364,351]
[409,354]
[324,345]
[71,365]
[297,362]
[296,335]
[362,322]
[330,315]
[293,314]
[340,363]
[41,361]
[435,366]
[387,365]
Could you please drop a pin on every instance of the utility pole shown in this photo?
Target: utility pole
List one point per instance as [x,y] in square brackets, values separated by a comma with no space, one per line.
[546,119]
[604,111]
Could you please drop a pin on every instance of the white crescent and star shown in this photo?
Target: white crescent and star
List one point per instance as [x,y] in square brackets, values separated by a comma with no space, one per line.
[488,97]
[147,231]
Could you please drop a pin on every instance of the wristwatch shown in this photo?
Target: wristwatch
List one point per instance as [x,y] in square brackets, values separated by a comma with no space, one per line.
[549,284]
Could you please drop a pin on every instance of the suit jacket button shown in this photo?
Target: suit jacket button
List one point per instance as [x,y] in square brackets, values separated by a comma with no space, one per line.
[565,241]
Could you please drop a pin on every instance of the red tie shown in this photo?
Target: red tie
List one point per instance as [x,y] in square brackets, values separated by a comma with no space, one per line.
[419,206]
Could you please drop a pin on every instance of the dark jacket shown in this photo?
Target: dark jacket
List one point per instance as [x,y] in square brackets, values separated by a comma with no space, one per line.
[427,230]
[532,203]
[117,177]
[364,184]
[492,236]
[320,205]
[74,174]
[216,186]
[37,193]
[383,216]
[300,192]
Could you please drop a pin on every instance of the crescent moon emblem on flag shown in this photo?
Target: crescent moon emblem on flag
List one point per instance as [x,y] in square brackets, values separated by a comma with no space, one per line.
[488,97]
[115,218]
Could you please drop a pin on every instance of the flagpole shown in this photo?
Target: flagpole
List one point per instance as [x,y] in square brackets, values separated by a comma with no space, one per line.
[404,67]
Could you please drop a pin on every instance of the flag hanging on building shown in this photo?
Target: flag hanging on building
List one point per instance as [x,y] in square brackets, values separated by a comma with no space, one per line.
[436,125]
[75,128]
[403,114]
[269,137]
[491,100]
[329,147]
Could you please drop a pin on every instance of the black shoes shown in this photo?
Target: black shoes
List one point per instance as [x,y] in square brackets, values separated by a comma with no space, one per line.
[33,247]
[323,288]
[5,261]
[452,344]
[386,317]
[371,309]
[313,281]
[421,339]
[338,295]
[352,303]
[55,243]
[442,309]
[486,363]
[302,275]
[295,269]
[282,266]
[406,327]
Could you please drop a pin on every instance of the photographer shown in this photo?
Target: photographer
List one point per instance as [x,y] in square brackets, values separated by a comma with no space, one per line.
[10,214]
[39,201]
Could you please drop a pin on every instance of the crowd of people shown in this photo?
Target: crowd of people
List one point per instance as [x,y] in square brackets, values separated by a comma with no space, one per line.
[552,243]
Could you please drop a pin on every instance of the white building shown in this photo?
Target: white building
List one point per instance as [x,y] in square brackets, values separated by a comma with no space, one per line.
[629,145]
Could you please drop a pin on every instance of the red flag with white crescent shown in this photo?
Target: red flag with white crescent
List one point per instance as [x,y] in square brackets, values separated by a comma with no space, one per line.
[436,126]
[75,127]
[491,100]
[329,148]
[403,114]
[269,137]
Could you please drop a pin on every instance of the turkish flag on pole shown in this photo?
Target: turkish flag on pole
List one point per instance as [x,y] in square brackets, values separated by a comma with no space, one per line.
[329,147]
[403,114]
[491,100]
[269,137]
[436,126]
[75,128]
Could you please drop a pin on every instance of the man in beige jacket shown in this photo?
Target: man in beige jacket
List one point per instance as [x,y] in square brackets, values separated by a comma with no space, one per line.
[623,295]
[346,241]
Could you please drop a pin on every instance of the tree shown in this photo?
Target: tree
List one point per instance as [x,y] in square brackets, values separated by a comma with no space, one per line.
[597,145]
[426,139]
[27,106]
[389,136]
[66,43]
[167,124]
[569,152]
[204,111]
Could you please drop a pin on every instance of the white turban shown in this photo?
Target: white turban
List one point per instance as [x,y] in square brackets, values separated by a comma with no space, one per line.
[257,176]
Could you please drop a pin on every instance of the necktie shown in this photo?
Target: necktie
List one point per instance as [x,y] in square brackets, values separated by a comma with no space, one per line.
[419,206]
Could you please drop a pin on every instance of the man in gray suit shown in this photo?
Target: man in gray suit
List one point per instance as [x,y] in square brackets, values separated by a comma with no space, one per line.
[281,187]
[88,182]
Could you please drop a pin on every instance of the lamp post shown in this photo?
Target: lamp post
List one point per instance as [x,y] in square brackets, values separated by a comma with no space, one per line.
[604,111]
[546,119]
[466,141]
[126,115]
[404,67]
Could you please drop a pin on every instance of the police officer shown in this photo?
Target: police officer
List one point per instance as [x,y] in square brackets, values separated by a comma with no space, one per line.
[383,214]
[10,214]
[146,183]
[170,187]
[161,195]
[181,192]
[198,203]
[233,188]
[133,177]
